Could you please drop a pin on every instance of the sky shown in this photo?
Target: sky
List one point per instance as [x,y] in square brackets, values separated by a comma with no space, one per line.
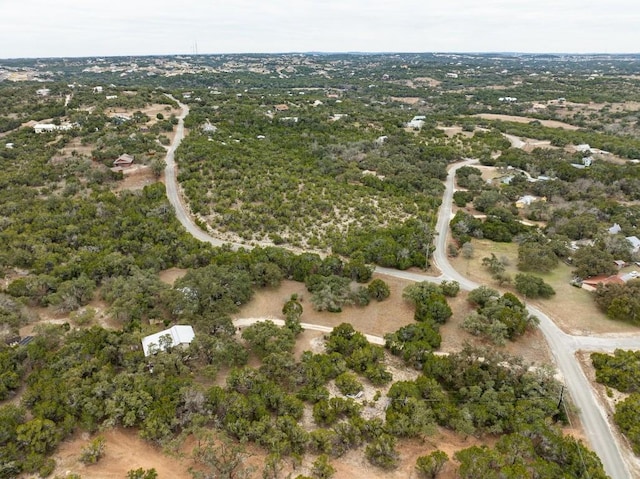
[72,28]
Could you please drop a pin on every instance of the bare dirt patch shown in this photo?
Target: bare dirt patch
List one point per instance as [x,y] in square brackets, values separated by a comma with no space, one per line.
[169,276]
[124,450]
[136,177]
[452,131]
[525,119]
[407,100]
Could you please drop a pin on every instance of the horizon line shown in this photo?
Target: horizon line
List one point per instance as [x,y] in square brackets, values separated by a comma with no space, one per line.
[327,52]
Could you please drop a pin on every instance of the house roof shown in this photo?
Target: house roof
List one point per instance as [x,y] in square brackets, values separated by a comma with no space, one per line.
[635,242]
[603,279]
[179,334]
[615,229]
[124,159]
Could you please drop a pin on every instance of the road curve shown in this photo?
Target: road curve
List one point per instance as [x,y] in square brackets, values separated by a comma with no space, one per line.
[171,184]
[563,346]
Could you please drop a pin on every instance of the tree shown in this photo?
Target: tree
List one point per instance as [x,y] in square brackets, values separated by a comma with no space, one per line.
[142,474]
[431,465]
[292,311]
[329,293]
[220,459]
[534,256]
[265,337]
[482,295]
[348,384]
[93,451]
[593,261]
[430,302]
[322,468]
[379,290]
[533,286]
[157,167]
[467,250]
[493,264]
[450,288]
[382,452]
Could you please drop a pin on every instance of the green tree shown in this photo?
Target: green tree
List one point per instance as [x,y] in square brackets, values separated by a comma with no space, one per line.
[431,465]
[221,459]
[379,290]
[382,452]
[265,337]
[535,256]
[532,286]
[292,311]
[141,473]
[591,261]
[322,468]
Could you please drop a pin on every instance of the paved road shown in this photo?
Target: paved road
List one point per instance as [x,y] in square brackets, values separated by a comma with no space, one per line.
[171,183]
[563,346]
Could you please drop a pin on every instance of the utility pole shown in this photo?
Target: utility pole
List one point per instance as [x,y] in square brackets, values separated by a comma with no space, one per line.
[561,397]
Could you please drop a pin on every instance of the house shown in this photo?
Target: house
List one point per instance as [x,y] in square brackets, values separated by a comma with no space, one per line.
[43,92]
[615,229]
[123,161]
[174,336]
[629,276]
[44,128]
[635,243]
[526,200]
[281,107]
[583,148]
[9,146]
[208,127]
[590,284]
[620,263]
[416,122]
[97,89]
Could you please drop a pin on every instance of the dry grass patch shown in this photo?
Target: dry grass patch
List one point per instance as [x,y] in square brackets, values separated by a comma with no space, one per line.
[572,309]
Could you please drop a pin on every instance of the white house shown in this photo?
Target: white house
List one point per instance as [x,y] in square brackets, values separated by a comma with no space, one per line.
[174,336]
[635,243]
[615,229]
[417,121]
[584,148]
[44,127]
[50,127]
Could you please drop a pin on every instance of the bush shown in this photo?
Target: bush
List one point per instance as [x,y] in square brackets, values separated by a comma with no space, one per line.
[92,452]
[348,384]
[379,290]
[533,286]
[450,288]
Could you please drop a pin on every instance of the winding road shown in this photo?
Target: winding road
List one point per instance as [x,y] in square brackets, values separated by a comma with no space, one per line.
[562,345]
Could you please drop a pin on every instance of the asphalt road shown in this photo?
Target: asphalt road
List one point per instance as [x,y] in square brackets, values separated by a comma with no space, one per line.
[563,346]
